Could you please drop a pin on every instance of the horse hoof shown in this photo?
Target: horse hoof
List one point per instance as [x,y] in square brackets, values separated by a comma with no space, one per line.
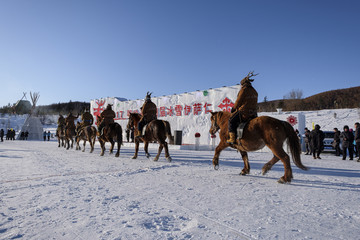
[156,159]
[133,157]
[282,180]
[148,155]
[117,155]
[216,167]
[169,159]
[243,173]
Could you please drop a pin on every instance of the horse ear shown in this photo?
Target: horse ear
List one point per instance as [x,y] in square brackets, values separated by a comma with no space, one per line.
[213,113]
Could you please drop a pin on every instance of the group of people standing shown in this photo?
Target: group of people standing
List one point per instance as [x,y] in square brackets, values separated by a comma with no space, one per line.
[314,141]
[10,134]
[348,140]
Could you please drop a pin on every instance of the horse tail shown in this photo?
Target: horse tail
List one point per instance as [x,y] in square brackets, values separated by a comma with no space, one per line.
[294,144]
[168,132]
[119,133]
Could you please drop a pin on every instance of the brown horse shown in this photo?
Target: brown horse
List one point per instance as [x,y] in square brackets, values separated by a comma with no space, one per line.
[60,134]
[87,133]
[111,133]
[259,132]
[69,135]
[156,130]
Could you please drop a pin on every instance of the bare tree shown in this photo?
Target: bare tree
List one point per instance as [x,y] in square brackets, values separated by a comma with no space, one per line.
[294,94]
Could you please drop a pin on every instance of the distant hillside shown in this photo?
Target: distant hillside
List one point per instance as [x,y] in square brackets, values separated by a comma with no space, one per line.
[63,108]
[341,98]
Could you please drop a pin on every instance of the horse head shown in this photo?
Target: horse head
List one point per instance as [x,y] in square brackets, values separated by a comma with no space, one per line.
[134,118]
[214,122]
[98,120]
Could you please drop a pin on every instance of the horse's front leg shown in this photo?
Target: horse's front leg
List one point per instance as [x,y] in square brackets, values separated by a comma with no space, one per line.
[102,145]
[84,145]
[222,145]
[112,146]
[92,142]
[269,165]
[67,144]
[246,169]
[136,149]
[59,142]
[146,149]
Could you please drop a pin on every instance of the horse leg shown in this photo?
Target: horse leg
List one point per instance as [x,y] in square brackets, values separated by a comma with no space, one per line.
[246,169]
[67,143]
[222,145]
[112,146]
[167,155]
[102,143]
[161,146]
[118,148]
[72,143]
[84,145]
[146,147]
[284,157]
[269,164]
[136,148]
[59,142]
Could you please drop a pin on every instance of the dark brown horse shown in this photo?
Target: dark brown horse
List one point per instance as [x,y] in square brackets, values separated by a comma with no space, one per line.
[87,133]
[69,135]
[259,132]
[60,134]
[156,130]
[111,133]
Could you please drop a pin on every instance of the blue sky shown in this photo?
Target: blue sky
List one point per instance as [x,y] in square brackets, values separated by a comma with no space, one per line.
[82,50]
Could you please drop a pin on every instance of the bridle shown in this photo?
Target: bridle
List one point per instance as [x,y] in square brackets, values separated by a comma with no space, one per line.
[215,125]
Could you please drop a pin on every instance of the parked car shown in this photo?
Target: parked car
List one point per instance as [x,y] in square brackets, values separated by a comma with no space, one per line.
[328,141]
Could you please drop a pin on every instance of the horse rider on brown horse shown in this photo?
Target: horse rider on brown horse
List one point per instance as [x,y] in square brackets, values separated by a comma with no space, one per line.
[61,122]
[148,112]
[107,117]
[69,120]
[245,107]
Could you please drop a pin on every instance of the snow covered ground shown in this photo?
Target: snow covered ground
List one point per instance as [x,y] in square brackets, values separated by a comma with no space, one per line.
[48,192]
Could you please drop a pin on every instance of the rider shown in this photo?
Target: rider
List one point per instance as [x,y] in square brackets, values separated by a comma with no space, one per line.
[245,107]
[69,120]
[61,123]
[107,117]
[148,112]
[87,118]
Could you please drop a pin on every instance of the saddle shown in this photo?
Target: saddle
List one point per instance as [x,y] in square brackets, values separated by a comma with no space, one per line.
[240,129]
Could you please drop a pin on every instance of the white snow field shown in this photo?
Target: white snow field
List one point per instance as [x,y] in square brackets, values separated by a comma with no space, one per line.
[48,192]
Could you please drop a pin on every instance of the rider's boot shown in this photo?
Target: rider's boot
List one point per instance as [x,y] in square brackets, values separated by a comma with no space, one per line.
[138,134]
[232,138]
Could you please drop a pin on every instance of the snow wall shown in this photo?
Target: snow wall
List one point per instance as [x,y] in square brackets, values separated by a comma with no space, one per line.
[186,112]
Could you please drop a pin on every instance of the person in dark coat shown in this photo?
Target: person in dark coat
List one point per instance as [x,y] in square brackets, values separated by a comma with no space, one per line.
[2,135]
[307,141]
[347,138]
[317,141]
[357,139]
[336,142]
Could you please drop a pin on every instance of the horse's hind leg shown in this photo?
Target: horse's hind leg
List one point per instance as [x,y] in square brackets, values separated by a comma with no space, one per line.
[167,155]
[118,148]
[161,146]
[282,155]
[146,149]
[269,164]
[246,169]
